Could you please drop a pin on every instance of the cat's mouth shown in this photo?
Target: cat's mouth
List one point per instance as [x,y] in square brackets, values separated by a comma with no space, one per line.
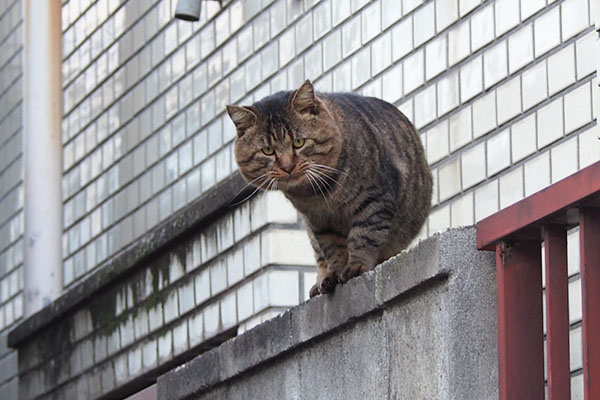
[317,178]
[291,181]
[291,178]
[292,173]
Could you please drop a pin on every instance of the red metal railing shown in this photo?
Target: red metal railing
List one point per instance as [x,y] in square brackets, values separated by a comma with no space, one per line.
[516,234]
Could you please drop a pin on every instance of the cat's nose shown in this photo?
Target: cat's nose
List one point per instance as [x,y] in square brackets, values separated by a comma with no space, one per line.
[288,168]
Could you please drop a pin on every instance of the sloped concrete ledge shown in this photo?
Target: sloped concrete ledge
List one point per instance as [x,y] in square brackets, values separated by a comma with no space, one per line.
[421,325]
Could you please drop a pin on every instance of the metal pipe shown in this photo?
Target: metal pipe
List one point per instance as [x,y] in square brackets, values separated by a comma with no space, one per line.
[42,149]
[188,10]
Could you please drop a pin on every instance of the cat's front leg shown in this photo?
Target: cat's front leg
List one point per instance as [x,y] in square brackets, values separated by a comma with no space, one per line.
[332,254]
[326,279]
[360,260]
[365,239]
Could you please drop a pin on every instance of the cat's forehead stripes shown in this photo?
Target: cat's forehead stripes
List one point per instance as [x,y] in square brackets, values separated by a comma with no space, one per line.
[278,129]
[273,110]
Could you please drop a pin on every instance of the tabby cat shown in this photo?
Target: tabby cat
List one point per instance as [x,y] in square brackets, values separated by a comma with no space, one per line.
[353,166]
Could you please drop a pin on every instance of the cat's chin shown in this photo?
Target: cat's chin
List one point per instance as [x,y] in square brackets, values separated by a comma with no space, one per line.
[292,183]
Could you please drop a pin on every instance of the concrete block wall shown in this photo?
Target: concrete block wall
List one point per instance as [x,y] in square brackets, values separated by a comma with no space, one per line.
[421,325]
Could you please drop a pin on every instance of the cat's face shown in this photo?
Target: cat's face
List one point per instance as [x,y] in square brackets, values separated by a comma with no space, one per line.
[287,141]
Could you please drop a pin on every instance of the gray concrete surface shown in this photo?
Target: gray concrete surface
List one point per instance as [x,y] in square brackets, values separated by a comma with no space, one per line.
[420,326]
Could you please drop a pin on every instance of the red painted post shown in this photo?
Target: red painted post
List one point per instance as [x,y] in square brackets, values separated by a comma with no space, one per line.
[557,312]
[589,236]
[531,211]
[520,325]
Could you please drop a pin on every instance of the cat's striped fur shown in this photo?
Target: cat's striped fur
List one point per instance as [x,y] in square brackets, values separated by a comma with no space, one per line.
[353,166]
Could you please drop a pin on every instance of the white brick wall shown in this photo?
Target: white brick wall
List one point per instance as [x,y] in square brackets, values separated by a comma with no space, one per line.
[498,152]
[11,176]
[524,138]
[537,173]
[520,48]
[484,114]
[473,166]
[511,187]
[534,85]
[550,123]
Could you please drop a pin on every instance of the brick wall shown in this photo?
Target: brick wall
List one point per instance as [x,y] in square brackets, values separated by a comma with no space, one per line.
[11,175]
[503,93]
[138,144]
[11,187]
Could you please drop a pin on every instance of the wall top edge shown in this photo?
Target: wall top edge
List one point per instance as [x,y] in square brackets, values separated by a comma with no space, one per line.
[434,259]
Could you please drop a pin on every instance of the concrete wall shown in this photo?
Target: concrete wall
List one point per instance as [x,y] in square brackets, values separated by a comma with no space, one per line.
[421,326]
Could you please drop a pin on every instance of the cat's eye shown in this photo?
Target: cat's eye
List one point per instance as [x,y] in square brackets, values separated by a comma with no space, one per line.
[268,150]
[297,143]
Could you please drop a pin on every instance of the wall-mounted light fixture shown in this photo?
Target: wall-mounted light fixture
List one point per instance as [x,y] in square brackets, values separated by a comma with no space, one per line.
[189,10]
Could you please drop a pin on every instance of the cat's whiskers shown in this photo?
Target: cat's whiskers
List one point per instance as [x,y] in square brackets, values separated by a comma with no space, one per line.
[254,192]
[325,175]
[312,182]
[316,181]
[248,184]
[318,186]
[328,168]
[269,186]
[324,171]
[326,184]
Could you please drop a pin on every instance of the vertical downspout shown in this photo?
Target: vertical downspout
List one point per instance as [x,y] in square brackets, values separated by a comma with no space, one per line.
[42,149]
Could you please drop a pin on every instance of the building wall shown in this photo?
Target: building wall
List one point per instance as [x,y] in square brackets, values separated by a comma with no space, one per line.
[503,93]
[203,290]
[11,174]
[11,186]
[138,144]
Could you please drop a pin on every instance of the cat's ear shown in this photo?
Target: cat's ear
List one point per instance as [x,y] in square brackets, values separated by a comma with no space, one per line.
[304,99]
[242,117]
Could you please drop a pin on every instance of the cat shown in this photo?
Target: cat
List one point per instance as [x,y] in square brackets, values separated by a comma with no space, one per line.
[353,166]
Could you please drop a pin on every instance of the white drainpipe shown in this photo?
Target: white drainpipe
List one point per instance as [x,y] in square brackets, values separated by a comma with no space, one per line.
[42,149]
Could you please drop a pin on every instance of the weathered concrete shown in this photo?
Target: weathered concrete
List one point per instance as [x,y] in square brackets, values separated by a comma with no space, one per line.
[420,326]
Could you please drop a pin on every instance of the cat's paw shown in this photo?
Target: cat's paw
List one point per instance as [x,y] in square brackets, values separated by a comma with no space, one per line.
[314,291]
[352,270]
[325,284]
